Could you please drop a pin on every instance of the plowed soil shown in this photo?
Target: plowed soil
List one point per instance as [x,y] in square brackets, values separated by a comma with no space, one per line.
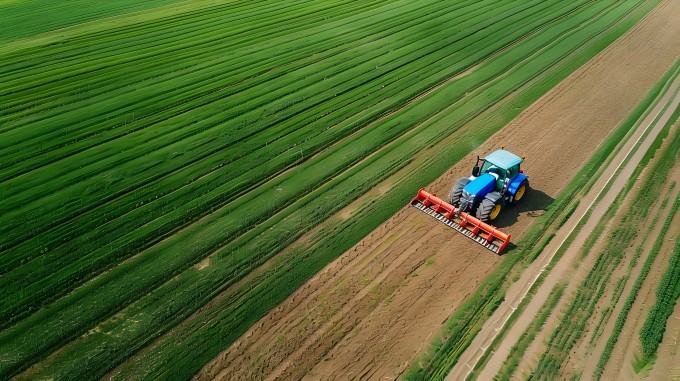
[377,307]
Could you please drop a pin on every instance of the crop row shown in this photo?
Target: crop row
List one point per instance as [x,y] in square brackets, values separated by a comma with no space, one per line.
[591,289]
[668,289]
[607,311]
[628,305]
[152,276]
[667,294]
[621,283]
[161,197]
[651,257]
[517,351]
[28,17]
[193,288]
[177,125]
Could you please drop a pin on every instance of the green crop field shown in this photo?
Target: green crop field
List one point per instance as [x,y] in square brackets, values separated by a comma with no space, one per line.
[154,154]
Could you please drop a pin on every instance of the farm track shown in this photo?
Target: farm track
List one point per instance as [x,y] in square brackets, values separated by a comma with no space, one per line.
[419,305]
[127,193]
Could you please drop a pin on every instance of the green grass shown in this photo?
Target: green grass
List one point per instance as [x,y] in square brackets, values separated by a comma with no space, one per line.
[31,17]
[130,154]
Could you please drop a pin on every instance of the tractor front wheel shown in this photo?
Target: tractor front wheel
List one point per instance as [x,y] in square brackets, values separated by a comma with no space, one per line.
[489,210]
[521,191]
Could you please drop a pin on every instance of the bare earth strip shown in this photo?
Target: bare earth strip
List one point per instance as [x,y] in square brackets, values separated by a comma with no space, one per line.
[518,291]
[373,310]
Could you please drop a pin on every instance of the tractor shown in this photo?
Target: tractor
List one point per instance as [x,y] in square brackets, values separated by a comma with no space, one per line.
[497,180]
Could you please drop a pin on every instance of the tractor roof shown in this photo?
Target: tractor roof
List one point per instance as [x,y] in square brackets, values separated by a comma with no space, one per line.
[503,159]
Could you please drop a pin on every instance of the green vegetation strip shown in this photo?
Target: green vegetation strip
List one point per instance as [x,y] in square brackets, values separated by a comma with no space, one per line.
[592,288]
[518,350]
[28,16]
[667,295]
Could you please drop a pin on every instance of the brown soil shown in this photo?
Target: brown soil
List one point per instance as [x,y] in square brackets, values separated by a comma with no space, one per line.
[623,164]
[373,310]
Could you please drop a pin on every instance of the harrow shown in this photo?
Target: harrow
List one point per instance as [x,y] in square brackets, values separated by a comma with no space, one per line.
[470,226]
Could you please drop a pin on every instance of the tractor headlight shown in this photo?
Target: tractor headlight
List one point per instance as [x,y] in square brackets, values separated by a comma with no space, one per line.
[468,196]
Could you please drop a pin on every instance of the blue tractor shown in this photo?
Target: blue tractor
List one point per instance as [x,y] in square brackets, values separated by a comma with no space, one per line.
[497,180]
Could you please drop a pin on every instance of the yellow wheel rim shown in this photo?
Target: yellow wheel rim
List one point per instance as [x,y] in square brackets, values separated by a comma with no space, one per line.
[495,212]
[520,193]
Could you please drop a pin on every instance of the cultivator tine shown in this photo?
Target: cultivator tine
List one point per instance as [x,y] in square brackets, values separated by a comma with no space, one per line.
[471,227]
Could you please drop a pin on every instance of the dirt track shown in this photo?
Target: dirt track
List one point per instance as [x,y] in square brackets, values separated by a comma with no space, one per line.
[373,310]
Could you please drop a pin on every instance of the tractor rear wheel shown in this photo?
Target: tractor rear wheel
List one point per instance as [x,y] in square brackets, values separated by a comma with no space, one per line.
[521,191]
[457,191]
[488,210]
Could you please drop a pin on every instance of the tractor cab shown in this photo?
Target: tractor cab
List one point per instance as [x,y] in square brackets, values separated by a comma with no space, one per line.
[496,180]
[502,165]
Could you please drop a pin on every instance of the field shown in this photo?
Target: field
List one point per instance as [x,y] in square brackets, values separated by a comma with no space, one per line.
[217,188]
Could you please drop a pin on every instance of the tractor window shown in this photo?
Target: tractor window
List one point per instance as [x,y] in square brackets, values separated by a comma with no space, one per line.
[486,166]
[490,168]
[512,172]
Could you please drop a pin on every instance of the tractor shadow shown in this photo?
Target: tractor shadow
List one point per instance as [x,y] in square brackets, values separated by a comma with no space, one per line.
[534,203]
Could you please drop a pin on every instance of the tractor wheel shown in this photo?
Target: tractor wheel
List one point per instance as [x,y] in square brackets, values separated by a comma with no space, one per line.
[521,191]
[488,210]
[457,191]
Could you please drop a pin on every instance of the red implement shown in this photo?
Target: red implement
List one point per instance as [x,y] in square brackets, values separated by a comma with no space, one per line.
[481,232]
